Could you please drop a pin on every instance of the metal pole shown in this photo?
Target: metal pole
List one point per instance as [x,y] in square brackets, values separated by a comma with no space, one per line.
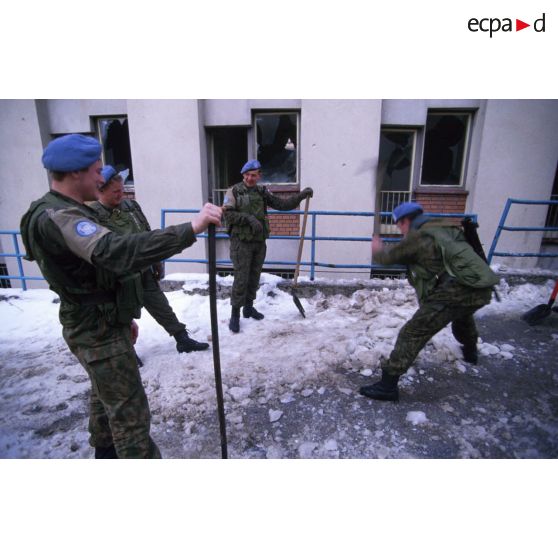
[19,264]
[499,229]
[313,249]
[215,338]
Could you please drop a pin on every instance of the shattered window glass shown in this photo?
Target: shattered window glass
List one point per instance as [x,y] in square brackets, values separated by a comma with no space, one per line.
[277,147]
[444,148]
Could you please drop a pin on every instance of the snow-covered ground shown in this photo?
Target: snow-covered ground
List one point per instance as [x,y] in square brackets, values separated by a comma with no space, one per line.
[268,369]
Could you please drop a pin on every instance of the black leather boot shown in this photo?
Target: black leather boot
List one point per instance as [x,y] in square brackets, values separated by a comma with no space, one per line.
[470,353]
[384,390]
[250,312]
[234,323]
[186,345]
[106,453]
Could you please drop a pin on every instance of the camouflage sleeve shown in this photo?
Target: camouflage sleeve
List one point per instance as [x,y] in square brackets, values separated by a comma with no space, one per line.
[404,252]
[79,233]
[135,252]
[282,204]
[99,246]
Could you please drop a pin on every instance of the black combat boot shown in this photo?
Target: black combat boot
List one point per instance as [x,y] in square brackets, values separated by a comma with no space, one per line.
[186,345]
[384,390]
[250,312]
[234,323]
[470,353]
[106,453]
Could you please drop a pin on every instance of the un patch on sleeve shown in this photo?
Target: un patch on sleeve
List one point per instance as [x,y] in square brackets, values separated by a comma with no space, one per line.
[86,228]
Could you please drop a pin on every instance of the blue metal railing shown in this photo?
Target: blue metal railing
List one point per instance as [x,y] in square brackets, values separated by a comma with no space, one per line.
[19,256]
[313,238]
[503,227]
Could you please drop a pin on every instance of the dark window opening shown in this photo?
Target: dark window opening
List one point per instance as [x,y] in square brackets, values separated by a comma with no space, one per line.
[115,138]
[396,157]
[277,147]
[445,139]
[228,147]
[552,215]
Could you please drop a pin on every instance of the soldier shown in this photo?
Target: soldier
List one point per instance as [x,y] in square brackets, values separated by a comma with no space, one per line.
[451,282]
[97,274]
[126,217]
[245,208]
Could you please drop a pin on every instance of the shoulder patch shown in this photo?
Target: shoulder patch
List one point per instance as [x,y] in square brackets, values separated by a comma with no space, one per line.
[85,228]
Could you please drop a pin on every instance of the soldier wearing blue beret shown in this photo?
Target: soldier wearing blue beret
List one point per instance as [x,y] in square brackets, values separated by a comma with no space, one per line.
[125,216]
[451,281]
[97,274]
[245,207]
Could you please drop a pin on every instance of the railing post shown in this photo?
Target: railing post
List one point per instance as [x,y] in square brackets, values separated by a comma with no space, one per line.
[19,264]
[313,248]
[499,230]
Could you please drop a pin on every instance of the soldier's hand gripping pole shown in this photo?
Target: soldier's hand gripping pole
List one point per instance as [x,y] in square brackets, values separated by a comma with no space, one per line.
[215,337]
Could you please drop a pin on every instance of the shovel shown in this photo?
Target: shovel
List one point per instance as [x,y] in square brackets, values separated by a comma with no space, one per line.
[542,311]
[296,300]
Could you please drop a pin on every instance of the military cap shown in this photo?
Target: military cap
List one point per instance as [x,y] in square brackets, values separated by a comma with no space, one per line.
[252,164]
[71,153]
[108,172]
[406,208]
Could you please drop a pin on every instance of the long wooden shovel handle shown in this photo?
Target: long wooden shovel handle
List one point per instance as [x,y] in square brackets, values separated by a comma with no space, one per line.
[301,242]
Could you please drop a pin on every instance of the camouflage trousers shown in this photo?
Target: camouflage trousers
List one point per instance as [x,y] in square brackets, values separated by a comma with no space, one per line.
[119,411]
[156,303]
[453,304]
[248,259]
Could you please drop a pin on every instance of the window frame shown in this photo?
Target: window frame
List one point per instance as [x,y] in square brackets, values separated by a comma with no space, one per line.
[254,144]
[415,133]
[99,136]
[466,148]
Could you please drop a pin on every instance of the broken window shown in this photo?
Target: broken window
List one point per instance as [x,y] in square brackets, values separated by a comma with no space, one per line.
[115,139]
[445,143]
[397,149]
[277,147]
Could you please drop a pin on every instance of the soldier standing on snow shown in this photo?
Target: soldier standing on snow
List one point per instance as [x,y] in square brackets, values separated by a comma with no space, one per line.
[451,282]
[245,206]
[97,274]
[126,217]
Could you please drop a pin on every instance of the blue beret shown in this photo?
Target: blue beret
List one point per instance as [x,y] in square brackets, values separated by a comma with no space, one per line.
[108,173]
[404,209]
[252,164]
[71,153]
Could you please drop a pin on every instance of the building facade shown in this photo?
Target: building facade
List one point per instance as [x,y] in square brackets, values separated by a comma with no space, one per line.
[458,155]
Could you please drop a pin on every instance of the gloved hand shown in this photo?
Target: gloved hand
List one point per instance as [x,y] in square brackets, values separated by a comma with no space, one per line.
[307,193]
[255,225]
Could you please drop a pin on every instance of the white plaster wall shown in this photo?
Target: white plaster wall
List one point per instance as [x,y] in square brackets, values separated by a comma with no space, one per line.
[238,112]
[412,112]
[166,155]
[73,116]
[22,176]
[517,159]
[339,153]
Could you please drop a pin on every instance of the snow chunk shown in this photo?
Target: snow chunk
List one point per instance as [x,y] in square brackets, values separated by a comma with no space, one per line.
[307,392]
[331,445]
[506,354]
[239,393]
[506,347]
[274,415]
[488,349]
[306,448]
[366,372]
[416,417]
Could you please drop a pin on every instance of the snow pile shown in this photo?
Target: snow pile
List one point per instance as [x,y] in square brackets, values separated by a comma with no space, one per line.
[270,364]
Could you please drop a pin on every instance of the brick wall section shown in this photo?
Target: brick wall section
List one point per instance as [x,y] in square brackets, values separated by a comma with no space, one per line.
[285,225]
[442,200]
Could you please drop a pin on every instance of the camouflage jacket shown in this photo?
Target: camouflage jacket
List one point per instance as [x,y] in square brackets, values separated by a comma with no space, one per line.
[241,201]
[423,252]
[127,218]
[84,262]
